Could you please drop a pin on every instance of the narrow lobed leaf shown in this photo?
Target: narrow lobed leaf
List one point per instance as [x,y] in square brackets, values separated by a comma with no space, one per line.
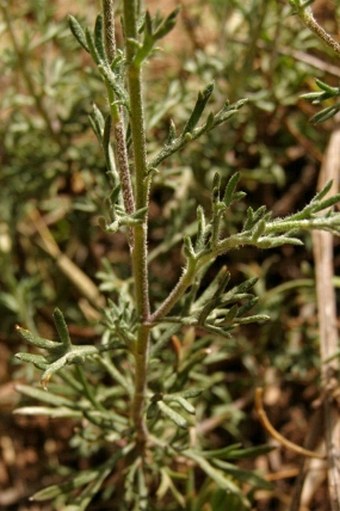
[216,475]
[55,490]
[54,413]
[229,192]
[98,37]
[92,47]
[167,24]
[216,287]
[188,248]
[322,193]
[175,417]
[38,361]
[42,395]
[201,229]
[325,114]
[327,88]
[171,133]
[184,403]
[201,103]
[61,328]
[40,342]
[78,32]
[328,203]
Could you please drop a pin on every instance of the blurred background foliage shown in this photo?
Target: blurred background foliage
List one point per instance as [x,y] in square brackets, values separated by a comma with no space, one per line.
[53,184]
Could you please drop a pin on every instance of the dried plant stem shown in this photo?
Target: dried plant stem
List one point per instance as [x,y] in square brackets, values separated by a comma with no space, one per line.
[79,279]
[324,267]
[276,435]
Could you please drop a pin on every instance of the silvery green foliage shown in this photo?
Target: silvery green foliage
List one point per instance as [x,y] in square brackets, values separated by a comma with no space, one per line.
[153,455]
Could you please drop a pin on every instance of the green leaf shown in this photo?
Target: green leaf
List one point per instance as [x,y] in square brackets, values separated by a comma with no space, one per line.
[99,38]
[78,32]
[92,47]
[202,229]
[166,25]
[33,339]
[256,318]
[216,475]
[61,328]
[53,413]
[237,452]
[188,248]
[216,187]
[327,88]
[322,193]
[107,132]
[229,192]
[144,50]
[258,229]
[44,396]
[221,453]
[326,114]
[246,476]
[181,401]
[152,411]
[175,417]
[75,355]
[253,217]
[55,490]
[190,393]
[327,203]
[171,133]
[112,81]
[201,103]
[278,241]
[214,290]
[222,501]
[238,292]
[38,361]
[168,484]
[97,122]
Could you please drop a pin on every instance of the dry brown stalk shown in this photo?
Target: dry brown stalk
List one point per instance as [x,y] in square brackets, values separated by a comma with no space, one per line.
[329,342]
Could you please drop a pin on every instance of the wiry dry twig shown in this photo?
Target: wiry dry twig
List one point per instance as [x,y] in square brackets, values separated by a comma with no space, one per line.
[275,434]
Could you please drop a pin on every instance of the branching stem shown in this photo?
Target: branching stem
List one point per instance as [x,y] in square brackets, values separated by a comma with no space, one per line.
[274,227]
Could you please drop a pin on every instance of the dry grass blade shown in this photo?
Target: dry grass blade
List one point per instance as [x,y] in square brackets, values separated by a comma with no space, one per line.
[326,300]
[79,279]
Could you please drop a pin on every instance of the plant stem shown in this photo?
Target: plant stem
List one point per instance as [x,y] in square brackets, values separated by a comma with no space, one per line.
[140,251]
[117,113]
[178,291]
[306,16]
[234,242]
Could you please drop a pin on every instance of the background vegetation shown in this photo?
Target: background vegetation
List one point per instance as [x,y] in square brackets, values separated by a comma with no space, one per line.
[54,189]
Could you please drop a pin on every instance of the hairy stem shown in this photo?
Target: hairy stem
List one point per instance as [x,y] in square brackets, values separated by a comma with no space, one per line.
[140,251]
[267,240]
[306,16]
[176,294]
[117,113]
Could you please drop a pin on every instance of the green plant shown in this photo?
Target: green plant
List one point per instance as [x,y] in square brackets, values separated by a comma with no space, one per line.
[326,92]
[134,391]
